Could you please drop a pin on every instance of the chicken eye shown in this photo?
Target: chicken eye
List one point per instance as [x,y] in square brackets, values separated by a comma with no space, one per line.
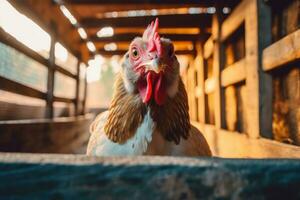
[134,53]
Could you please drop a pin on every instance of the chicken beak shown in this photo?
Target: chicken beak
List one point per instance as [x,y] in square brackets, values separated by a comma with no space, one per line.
[154,65]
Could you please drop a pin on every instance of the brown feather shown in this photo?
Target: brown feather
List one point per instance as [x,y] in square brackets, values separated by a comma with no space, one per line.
[125,114]
[172,119]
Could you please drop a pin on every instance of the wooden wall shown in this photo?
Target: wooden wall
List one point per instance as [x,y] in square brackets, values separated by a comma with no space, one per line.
[244,84]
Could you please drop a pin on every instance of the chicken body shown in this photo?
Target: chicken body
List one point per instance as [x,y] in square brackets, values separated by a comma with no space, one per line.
[149,111]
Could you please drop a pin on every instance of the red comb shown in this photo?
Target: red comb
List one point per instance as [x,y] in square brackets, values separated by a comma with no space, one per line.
[152,37]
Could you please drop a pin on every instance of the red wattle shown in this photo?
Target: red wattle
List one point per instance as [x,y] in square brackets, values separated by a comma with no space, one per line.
[145,88]
[154,85]
[160,90]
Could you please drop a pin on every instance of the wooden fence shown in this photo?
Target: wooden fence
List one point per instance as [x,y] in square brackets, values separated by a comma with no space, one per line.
[230,83]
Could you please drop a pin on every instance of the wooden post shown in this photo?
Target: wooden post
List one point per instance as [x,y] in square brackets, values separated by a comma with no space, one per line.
[85,95]
[217,68]
[50,80]
[77,87]
[258,83]
[199,64]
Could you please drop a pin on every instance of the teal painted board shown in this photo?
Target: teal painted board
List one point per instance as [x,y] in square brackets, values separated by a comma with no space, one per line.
[147,178]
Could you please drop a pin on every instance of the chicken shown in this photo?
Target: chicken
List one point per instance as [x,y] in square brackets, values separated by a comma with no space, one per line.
[148,114]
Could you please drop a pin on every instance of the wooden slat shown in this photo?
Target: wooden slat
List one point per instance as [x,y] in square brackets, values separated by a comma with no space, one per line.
[122,52]
[208,47]
[282,52]
[234,73]
[209,85]
[64,71]
[258,84]
[236,145]
[218,64]
[77,100]
[12,42]
[235,19]
[63,99]
[129,37]
[165,21]
[142,2]
[50,78]
[18,88]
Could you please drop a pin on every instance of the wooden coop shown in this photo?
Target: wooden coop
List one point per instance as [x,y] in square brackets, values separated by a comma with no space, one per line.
[243,83]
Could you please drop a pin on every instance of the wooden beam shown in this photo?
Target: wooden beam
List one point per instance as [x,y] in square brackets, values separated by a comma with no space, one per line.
[122,52]
[142,2]
[129,37]
[234,73]
[208,47]
[165,21]
[282,52]
[18,88]
[234,20]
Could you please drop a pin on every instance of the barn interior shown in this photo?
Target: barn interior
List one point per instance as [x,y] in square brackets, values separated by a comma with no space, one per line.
[239,61]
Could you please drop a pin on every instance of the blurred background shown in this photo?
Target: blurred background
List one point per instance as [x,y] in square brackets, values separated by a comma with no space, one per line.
[239,61]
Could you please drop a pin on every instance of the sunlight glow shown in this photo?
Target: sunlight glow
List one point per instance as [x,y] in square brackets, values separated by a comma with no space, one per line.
[82,33]
[111,47]
[68,14]
[93,71]
[24,29]
[91,46]
[61,52]
[105,32]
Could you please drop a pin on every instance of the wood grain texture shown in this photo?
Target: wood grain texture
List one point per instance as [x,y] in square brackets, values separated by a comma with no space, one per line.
[234,73]
[235,19]
[81,177]
[282,52]
[224,143]
[60,135]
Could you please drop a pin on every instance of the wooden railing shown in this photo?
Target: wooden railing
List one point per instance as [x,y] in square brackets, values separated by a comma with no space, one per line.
[18,88]
[252,72]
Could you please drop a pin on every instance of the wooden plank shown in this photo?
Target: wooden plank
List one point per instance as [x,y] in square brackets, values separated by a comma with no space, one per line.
[127,37]
[258,84]
[282,52]
[165,21]
[218,64]
[64,71]
[84,95]
[57,135]
[208,47]
[50,78]
[230,144]
[210,85]
[18,88]
[77,100]
[43,13]
[199,90]
[12,42]
[142,2]
[234,73]
[235,19]
[42,176]
[122,52]
[63,99]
